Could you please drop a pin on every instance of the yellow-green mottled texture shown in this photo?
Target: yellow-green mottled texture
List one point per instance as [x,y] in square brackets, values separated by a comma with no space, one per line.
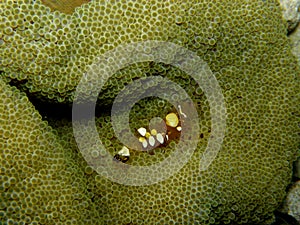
[244,185]
[39,182]
[48,52]
[245,45]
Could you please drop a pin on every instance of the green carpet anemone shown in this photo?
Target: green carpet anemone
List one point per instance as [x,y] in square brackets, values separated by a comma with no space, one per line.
[46,53]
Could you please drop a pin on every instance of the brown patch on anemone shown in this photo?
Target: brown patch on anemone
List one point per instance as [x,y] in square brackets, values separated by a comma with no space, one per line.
[65,6]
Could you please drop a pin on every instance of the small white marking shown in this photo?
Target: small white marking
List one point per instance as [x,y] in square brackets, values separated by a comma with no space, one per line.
[151,141]
[167,137]
[160,138]
[124,151]
[179,128]
[180,111]
[145,144]
[142,131]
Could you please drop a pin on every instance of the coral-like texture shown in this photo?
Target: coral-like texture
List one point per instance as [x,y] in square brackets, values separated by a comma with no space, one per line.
[39,182]
[245,45]
[244,185]
[48,52]
[291,204]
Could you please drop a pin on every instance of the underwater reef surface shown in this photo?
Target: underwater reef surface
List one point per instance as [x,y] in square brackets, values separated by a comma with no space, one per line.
[44,178]
[40,182]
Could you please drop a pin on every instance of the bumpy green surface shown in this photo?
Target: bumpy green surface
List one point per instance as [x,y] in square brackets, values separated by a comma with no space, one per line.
[245,45]
[48,52]
[39,181]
